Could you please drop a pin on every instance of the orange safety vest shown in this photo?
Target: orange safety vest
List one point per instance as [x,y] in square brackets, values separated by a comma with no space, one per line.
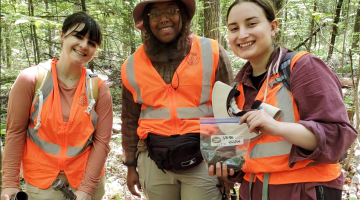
[167,111]
[53,145]
[270,154]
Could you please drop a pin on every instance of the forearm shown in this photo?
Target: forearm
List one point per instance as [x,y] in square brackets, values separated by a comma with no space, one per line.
[100,147]
[130,148]
[317,93]
[94,168]
[13,152]
[298,135]
[334,139]
[130,117]
[11,164]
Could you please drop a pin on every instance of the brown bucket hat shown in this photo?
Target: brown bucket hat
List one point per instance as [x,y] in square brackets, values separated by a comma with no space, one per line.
[139,9]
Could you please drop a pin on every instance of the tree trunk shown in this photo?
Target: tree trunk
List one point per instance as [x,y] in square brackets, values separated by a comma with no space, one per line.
[224,43]
[212,16]
[334,29]
[104,43]
[283,27]
[22,38]
[26,51]
[356,33]
[2,48]
[83,6]
[7,46]
[312,28]
[32,37]
[2,55]
[1,153]
[56,9]
[77,6]
[315,45]
[132,39]
[344,40]
[279,5]
[196,20]
[131,29]
[49,29]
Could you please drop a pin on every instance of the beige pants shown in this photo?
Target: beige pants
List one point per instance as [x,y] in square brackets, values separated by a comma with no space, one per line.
[191,184]
[35,193]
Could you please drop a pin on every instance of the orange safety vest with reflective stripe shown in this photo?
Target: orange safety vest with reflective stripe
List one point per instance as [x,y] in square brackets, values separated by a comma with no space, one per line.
[53,145]
[270,154]
[167,111]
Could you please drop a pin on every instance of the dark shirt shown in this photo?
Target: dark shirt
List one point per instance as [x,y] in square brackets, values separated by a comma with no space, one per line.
[317,93]
[257,80]
[166,69]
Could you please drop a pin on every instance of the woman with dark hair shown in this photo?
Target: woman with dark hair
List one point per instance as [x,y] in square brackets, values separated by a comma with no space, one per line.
[60,120]
[297,156]
[167,87]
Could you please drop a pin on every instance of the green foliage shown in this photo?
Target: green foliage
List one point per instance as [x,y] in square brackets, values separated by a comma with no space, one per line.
[349,101]
[17,18]
[3,132]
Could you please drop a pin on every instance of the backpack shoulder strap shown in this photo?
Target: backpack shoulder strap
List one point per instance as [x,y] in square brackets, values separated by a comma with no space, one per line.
[285,69]
[286,66]
[92,82]
[44,69]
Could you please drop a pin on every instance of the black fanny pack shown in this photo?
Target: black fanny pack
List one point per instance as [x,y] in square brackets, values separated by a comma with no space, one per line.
[176,152]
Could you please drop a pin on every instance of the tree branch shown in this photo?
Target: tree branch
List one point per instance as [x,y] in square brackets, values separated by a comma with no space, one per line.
[314,33]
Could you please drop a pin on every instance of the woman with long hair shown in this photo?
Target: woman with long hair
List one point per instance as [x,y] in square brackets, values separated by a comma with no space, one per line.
[59,121]
[297,156]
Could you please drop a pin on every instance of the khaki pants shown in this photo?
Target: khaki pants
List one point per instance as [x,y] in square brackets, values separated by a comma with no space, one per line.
[191,184]
[35,193]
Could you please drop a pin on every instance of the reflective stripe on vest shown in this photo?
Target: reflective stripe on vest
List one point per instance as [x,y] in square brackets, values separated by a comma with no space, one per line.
[287,115]
[187,112]
[49,147]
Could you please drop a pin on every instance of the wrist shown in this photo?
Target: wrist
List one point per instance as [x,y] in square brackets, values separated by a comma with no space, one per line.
[131,168]
[280,129]
[128,164]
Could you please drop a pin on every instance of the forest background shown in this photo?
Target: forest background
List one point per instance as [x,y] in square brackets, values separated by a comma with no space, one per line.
[330,29]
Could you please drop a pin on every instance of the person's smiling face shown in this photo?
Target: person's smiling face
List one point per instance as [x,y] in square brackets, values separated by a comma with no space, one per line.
[76,48]
[165,28]
[250,33]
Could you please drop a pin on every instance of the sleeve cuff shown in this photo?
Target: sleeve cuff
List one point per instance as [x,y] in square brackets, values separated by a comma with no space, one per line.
[133,164]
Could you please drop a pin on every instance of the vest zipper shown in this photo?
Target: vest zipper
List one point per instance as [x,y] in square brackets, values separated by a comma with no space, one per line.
[173,110]
[63,148]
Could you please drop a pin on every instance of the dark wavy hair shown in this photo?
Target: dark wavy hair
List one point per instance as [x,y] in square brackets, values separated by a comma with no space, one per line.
[152,42]
[91,26]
